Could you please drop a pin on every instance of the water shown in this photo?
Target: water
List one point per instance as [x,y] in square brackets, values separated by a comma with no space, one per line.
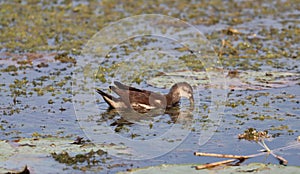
[36,98]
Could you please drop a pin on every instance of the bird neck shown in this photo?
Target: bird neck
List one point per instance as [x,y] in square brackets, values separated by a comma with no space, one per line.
[172,99]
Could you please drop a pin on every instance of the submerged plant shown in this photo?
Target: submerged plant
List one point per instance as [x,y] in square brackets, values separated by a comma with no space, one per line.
[250,134]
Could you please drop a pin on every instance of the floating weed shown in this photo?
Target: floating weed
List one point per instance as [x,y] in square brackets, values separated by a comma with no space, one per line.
[252,134]
[280,128]
[49,88]
[10,68]
[89,158]
[241,115]
[65,58]
[61,83]
[263,117]
[50,101]
[42,65]
[35,135]
[39,91]
[239,47]
[67,99]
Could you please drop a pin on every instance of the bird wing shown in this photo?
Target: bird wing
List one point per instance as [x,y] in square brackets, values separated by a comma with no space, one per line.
[147,98]
[131,95]
[125,87]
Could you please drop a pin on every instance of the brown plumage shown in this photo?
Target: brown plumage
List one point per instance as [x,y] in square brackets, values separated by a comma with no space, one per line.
[139,99]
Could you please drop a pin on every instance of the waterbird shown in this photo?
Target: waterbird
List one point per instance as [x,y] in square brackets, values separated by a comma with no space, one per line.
[141,100]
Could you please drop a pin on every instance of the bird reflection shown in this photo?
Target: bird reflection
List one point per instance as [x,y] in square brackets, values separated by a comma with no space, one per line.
[118,118]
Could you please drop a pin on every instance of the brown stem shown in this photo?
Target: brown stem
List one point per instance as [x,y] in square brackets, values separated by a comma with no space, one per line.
[205,166]
[235,158]
[280,158]
[240,157]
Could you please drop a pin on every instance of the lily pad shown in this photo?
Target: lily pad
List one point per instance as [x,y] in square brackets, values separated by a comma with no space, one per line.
[6,151]
[29,151]
[40,146]
[188,168]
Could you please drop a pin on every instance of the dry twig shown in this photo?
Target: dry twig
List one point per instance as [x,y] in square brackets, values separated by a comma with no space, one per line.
[235,158]
[220,155]
[205,166]
[251,135]
[282,161]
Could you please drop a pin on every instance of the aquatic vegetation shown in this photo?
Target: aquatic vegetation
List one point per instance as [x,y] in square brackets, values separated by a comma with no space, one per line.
[257,44]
